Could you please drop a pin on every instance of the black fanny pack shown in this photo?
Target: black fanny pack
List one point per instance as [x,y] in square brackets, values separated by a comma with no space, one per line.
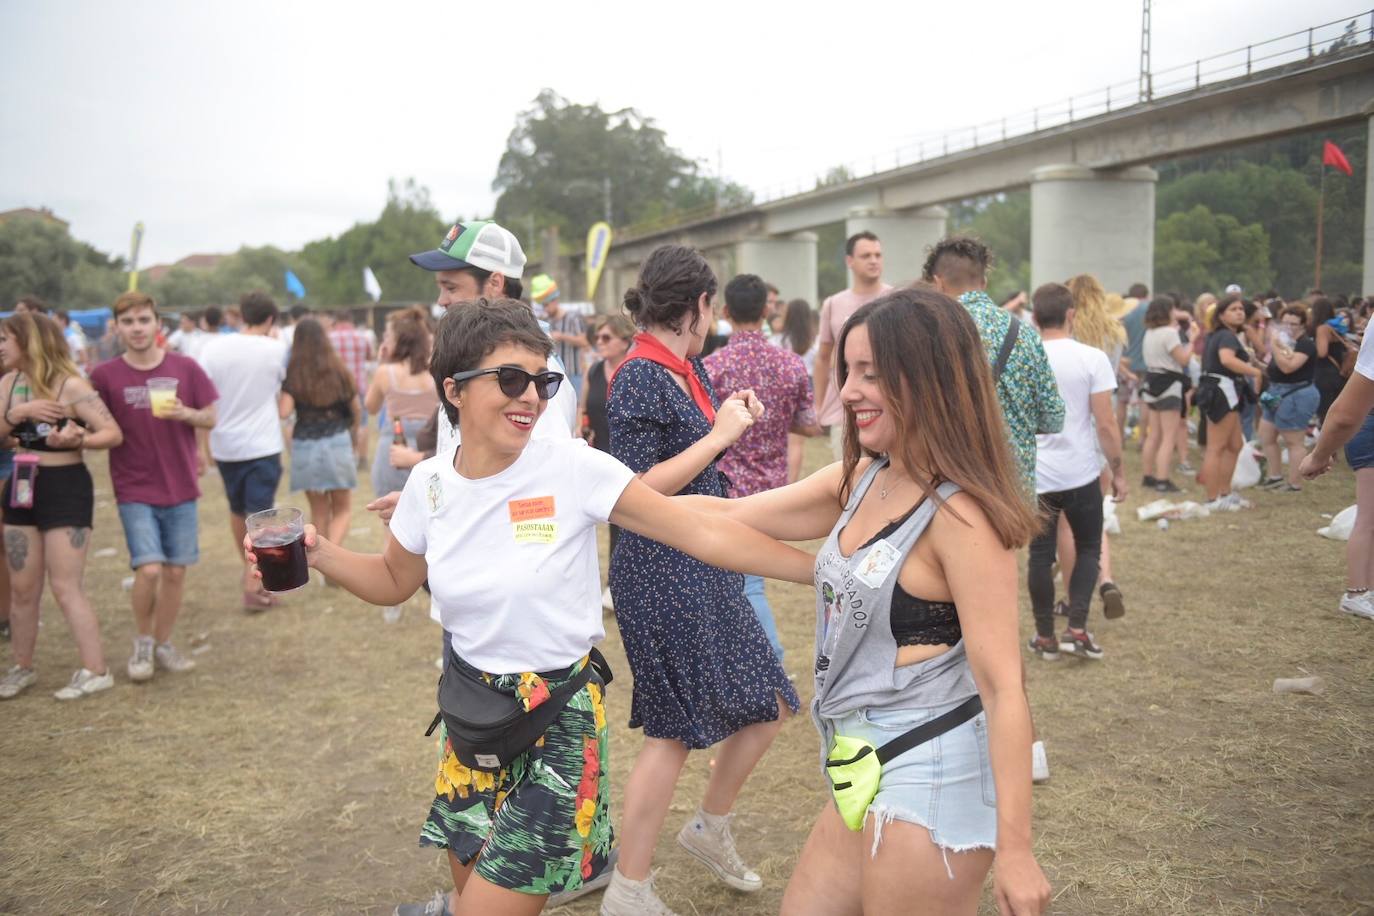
[1158,381]
[489,728]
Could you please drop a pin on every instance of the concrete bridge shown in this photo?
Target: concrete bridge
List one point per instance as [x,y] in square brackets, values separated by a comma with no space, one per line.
[1092,188]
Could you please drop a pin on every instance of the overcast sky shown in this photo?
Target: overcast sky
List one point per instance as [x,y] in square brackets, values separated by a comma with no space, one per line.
[253,123]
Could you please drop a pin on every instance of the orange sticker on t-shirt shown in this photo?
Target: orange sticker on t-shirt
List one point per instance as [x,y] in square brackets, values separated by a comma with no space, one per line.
[524,510]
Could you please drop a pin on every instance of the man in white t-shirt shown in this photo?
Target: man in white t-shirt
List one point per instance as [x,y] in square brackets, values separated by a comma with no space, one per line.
[1066,474]
[246,443]
[863,255]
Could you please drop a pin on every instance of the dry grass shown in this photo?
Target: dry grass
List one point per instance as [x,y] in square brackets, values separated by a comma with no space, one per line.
[288,773]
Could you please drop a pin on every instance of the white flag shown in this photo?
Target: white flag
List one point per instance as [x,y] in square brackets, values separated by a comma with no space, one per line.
[374,289]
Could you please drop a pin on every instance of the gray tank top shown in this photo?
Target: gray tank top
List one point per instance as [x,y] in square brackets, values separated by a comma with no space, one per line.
[855,652]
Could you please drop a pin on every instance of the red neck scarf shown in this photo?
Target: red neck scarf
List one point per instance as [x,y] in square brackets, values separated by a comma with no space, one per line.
[647,346]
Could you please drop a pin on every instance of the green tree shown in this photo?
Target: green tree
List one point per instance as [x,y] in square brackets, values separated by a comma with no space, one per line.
[1197,250]
[566,165]
[1002,221]
[39,257]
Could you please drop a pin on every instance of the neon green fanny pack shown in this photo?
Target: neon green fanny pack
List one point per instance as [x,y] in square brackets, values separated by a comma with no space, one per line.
[855,766]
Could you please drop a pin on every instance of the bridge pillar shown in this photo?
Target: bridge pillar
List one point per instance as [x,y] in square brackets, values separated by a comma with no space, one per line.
[1368,287]
[1097,222]
[788,263]
[905,238]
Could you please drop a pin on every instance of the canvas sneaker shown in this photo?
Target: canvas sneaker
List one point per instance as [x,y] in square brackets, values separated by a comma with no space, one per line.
[1080,643]
[1040,764]
[140,665]
[1047,647]
[169,659]
[1113,602]
[715,847]
[588,887]
[434,906]
[1360,605]
[84,683]
[17,680]
[632,898]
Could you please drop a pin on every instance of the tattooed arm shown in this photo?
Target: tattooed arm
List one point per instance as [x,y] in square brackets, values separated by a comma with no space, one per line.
[101,429]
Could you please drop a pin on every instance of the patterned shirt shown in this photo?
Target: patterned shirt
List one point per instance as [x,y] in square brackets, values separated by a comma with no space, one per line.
[568,323]
[355,349]
[1027,389]
[758,461]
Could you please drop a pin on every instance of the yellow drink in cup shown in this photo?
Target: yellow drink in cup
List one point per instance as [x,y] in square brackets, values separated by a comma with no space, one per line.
[162,395]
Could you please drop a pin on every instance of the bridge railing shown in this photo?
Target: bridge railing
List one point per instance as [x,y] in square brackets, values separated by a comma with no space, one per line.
[1295,48]
[1310,44]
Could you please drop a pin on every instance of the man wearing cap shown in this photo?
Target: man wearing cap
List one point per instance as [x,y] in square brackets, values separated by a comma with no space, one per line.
[566,328]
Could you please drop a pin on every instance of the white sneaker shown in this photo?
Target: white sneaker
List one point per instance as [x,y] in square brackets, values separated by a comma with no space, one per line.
[1238,502]
[624,897]
[715,847]
[1360,605]
[15,681]
[169,659]
[84,683]
[1040,764]
[140,665]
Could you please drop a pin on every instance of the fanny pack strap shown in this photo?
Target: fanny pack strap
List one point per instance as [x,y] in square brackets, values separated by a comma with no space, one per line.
[596,665]
[932,729]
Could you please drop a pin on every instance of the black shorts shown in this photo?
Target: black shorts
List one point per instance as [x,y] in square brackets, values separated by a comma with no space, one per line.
[1211,403]
[63,497]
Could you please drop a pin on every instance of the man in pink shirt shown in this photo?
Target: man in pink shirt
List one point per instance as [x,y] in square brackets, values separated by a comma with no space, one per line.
[863,255]
[155,473]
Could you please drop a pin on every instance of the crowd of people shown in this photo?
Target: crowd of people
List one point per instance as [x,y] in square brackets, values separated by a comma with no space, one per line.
[963,431]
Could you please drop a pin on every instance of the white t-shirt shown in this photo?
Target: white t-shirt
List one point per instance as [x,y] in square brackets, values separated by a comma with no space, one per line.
[512,557]
[1068,459]
[247,370]
[1158,349]
[1364,363]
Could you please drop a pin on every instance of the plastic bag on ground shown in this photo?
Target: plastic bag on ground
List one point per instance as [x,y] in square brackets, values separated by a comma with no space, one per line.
[1247,472]
[1341,525]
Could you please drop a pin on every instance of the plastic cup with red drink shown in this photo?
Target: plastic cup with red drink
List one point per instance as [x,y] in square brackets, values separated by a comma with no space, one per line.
[278,539]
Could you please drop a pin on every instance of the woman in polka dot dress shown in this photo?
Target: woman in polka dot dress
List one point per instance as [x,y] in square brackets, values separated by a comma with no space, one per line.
[704,672]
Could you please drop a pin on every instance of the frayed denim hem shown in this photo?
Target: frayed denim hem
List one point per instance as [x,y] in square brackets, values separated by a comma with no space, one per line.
[883,815]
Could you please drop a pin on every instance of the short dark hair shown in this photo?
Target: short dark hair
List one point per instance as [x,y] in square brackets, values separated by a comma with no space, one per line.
[1138,291]
[1050,305]
[257,308]
[671,281]
[855,239]
[298,312]
[511,289]
[771,288]
[745,296]
[33,304]
[1160,312]
[960,260]
[471,330]
[135,300]
[213,316]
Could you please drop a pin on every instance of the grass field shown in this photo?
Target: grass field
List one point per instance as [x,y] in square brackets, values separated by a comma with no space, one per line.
[289,773]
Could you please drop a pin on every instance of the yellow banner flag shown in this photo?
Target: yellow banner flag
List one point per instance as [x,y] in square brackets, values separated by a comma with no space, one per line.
[598,247]
[134,243]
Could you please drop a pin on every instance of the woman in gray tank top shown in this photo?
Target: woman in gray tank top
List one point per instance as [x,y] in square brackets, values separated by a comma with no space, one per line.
[916,618]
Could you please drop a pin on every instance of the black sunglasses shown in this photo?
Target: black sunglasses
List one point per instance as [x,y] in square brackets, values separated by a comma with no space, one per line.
[514,380]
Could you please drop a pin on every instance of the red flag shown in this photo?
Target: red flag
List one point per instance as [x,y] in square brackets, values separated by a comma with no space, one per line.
[1332,156]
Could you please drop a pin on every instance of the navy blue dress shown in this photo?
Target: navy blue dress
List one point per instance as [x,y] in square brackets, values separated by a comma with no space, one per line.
[702,665]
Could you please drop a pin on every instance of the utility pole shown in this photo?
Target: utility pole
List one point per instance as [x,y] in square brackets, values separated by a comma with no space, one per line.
[1147,89]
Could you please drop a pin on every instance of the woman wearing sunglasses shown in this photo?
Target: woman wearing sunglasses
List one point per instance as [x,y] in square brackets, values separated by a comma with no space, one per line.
[916,630]
[506,532]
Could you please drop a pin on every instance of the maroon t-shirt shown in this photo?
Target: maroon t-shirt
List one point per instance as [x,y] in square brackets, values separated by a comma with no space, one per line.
[156,464]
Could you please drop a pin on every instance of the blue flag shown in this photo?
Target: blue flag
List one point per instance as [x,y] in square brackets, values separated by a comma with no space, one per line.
[294,286]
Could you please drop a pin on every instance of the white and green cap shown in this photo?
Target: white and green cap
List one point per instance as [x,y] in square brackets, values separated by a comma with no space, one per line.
[482,244]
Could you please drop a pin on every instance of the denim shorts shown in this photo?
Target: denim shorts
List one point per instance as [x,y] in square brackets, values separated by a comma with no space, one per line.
[1298,405]
[251,485]
[944,785]
[1359,451]
[161,534]
[321,465]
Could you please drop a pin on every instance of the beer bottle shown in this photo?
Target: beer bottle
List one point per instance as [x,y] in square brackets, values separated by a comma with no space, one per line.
[398,435]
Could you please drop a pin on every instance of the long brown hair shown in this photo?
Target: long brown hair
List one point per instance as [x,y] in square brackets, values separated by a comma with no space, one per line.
[411,345]
[47,360]
[315,376]
[935,376]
